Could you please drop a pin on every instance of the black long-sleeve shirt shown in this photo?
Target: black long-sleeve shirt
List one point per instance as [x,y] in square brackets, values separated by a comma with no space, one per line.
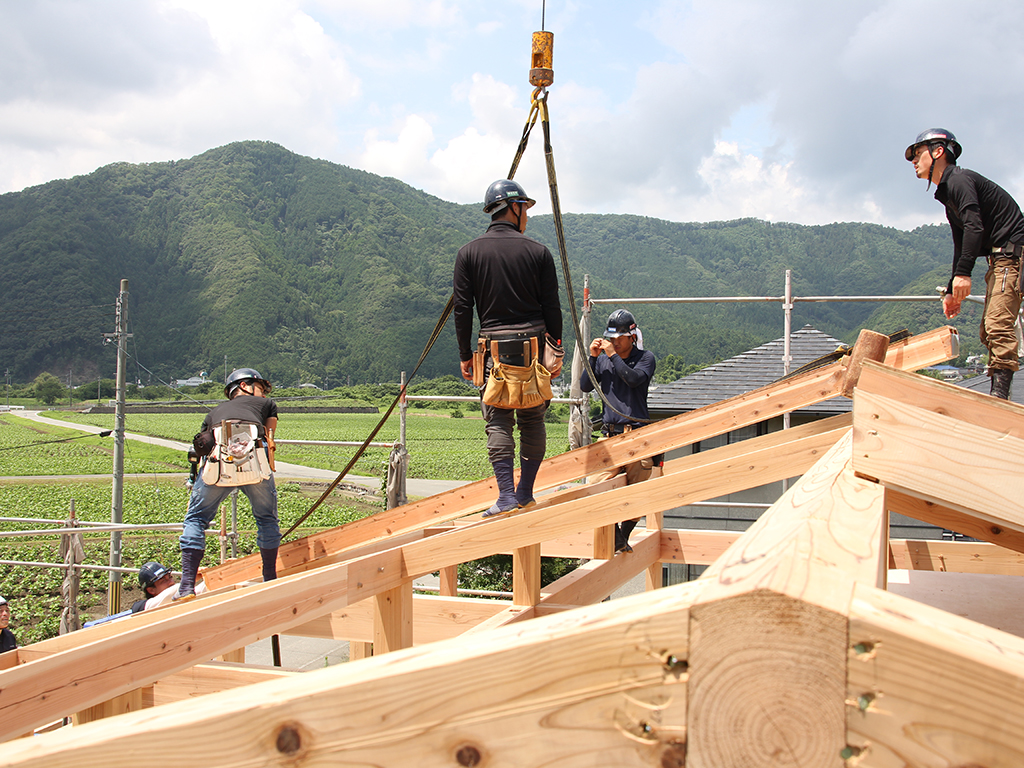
[624,383]
[981,216]
[512,281]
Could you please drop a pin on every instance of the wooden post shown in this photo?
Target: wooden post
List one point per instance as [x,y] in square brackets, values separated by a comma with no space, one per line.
[449,581]
[604,542]
[392,619]
[526,575]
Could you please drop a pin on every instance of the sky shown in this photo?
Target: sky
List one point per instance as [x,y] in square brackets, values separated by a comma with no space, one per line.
[784,110]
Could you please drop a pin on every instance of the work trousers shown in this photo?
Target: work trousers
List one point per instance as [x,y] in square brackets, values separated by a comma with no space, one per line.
[636,472]
[206,499]
[533,437]
[1002,302]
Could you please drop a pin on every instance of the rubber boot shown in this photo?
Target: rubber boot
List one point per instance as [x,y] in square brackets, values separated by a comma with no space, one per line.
[190,560]
[622,531]
[269,557]
[527,474]
[1001,379]
[503,474]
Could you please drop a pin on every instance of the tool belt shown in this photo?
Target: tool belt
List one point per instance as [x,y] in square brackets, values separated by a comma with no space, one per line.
[239,455]
[1011,251]
[517,378]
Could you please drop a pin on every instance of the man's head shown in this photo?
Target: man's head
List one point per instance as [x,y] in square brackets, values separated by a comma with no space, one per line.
[154,578]
[506,199]
[5,613]
[246,381]
[621,331]
[932,151]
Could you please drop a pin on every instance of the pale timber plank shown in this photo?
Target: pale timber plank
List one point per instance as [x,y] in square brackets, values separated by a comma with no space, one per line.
[38,692]
[960,521]
[590,687]
[990,599]
[943,458]
[434,619]
[392,619]
[768,633]
[927,688]
[956,557]
[204,679]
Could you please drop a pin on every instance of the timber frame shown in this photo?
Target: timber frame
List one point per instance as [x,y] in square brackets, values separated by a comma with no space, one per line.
[788,651]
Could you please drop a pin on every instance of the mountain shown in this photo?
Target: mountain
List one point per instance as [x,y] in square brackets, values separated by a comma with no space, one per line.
[312,271]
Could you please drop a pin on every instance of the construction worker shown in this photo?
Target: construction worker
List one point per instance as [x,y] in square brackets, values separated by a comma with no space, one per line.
[246,391]
[624,370]
[158,586]
[985,222]
[511,280]
[8,642]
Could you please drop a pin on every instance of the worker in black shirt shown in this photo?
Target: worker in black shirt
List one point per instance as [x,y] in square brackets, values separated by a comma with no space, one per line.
[7,640]
[511,280]
[985,222]
[624,370]
[246,392]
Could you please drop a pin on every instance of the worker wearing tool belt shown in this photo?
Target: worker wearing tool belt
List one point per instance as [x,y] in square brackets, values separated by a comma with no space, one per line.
[624,370]
[246,392]
[511,280]
[985,222]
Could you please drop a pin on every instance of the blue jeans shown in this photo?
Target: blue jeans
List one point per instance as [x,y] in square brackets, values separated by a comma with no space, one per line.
[206,499]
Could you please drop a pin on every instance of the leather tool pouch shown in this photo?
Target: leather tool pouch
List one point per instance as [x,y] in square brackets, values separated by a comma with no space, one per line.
[517,386]
[553,354]
[239,456]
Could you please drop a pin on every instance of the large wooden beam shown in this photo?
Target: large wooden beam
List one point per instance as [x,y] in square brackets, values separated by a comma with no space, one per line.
[768,633]
[204,679]
[434,618]
[954,520]
[38,692]
[604,685]
[939,443]
[927,688]
[955,557]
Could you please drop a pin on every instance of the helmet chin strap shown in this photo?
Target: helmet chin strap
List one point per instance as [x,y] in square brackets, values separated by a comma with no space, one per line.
[931,168]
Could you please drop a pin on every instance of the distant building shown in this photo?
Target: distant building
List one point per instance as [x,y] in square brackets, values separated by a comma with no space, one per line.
[195,381]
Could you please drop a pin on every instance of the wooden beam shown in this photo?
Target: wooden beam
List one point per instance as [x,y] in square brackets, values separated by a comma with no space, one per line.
[695,547]
[204,679]
[434,618]
[927,688]
[768,633]
[612,692]
[965,453]
[40,691]
[924,349]
[954,520]
[956,557]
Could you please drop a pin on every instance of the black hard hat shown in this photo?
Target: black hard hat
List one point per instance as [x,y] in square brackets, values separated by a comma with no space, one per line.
[505,191]
[239,375]
[620,323]
[151,573]
[939,136]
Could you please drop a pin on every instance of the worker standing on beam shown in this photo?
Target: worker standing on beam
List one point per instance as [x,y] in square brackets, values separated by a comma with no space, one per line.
[624,371]
[985,221]
[246,391]
[511,280]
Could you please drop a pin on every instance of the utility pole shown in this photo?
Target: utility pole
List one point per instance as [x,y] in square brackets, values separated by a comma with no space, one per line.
[120,337]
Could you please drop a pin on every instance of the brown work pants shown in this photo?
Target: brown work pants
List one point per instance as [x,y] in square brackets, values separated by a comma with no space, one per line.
[1002,302]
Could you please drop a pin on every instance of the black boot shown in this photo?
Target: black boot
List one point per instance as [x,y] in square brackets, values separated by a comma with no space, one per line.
[190,560]
[1001,379]
[622,531]
[527,474]
[503,474]
[269,557]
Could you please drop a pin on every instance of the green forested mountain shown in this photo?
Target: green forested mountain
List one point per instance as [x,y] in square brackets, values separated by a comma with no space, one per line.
[313,271]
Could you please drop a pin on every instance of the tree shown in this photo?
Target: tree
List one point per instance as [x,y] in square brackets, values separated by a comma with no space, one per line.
[48,388]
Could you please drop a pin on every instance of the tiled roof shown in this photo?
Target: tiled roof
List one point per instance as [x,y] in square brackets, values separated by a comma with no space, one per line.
[745,372]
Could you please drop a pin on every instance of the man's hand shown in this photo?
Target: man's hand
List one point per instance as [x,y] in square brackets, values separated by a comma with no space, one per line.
[467,369]
[961,289]
[599,345]
[950,306]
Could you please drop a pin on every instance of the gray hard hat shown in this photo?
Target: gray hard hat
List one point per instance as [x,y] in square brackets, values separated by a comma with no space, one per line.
[505,191]
[932,136]
[239,375]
